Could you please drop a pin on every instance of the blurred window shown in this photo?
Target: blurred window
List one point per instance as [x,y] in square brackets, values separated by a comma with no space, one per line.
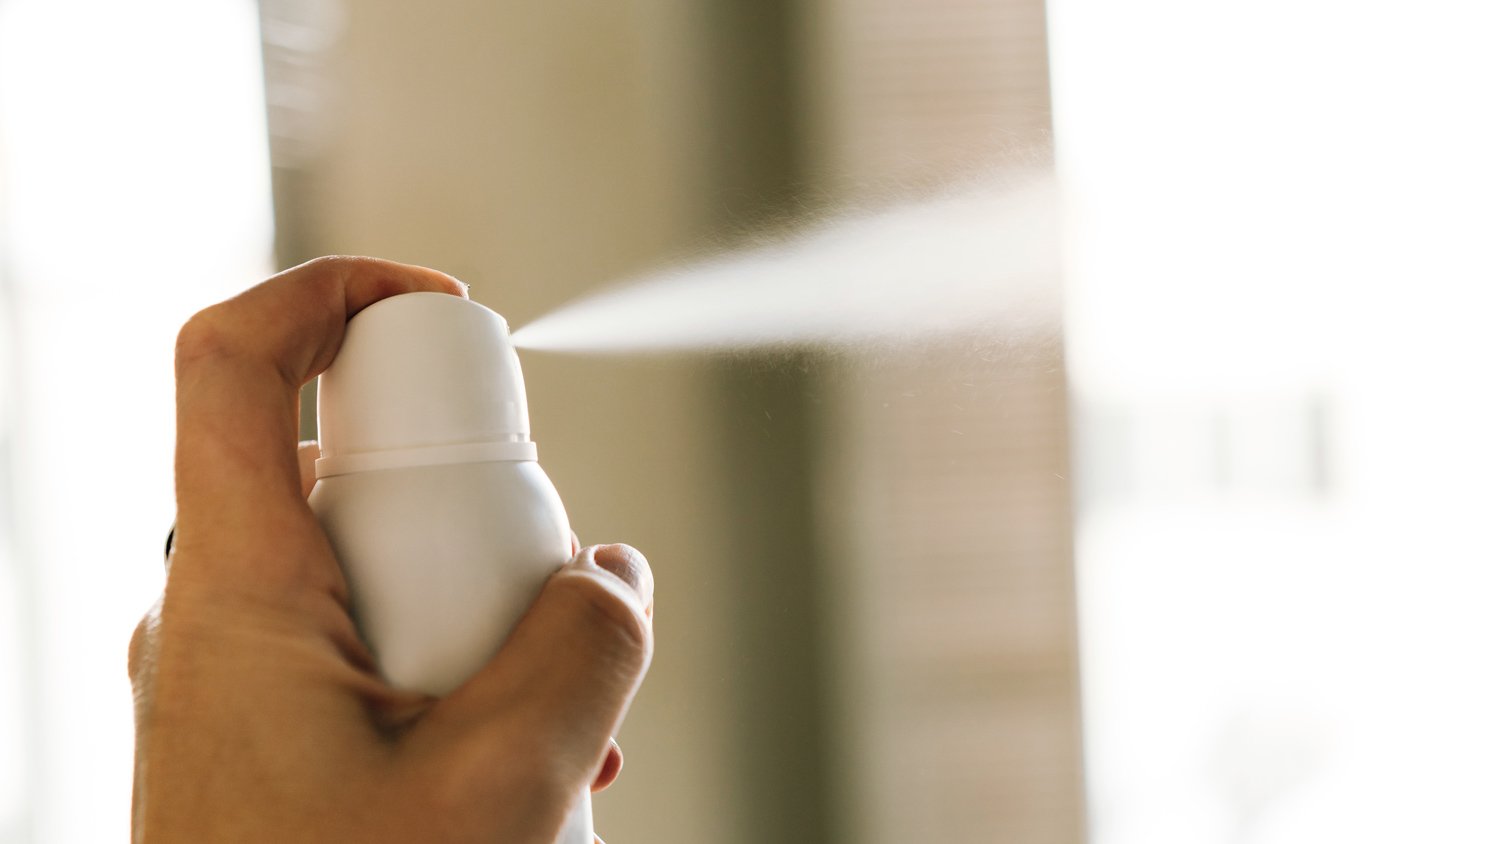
[1281,344]
[135,190]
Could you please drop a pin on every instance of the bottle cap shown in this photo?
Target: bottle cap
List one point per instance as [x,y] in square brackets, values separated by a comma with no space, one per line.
[422,379]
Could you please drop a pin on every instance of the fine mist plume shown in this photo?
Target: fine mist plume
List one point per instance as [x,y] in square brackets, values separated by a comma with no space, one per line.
[983,259]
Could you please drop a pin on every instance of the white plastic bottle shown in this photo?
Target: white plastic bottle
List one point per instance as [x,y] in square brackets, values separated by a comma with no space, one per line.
[429,489]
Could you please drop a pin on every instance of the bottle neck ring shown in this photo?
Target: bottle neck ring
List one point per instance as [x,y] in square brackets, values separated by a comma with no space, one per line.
[436,455]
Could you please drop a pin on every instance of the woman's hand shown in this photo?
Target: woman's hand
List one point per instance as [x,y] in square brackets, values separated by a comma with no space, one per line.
[259,715]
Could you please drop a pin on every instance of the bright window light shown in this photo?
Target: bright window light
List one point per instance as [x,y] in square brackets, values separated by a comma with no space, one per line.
[1283,288]
[134,189]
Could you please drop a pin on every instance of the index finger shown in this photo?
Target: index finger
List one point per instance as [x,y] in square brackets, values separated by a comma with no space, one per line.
[240,366]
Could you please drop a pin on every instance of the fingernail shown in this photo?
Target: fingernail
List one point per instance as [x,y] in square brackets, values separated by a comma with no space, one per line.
[627,564]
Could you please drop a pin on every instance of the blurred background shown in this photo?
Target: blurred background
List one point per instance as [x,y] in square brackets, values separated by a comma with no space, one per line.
[1212,559]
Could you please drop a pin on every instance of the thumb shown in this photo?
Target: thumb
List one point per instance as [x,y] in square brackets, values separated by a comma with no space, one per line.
[547,704]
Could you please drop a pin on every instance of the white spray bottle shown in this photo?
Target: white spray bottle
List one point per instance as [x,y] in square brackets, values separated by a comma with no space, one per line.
[430,492]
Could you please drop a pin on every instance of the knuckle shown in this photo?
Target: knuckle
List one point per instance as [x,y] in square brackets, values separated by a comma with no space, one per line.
[328,261]
[330,266]
[205,336]
[333,269]
[138,656]
[609,615]
[328,277]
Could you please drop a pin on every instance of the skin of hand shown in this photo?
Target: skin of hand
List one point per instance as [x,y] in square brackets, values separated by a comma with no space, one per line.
[259,713]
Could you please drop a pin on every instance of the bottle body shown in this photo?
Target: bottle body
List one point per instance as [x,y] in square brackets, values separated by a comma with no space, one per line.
[441,562]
